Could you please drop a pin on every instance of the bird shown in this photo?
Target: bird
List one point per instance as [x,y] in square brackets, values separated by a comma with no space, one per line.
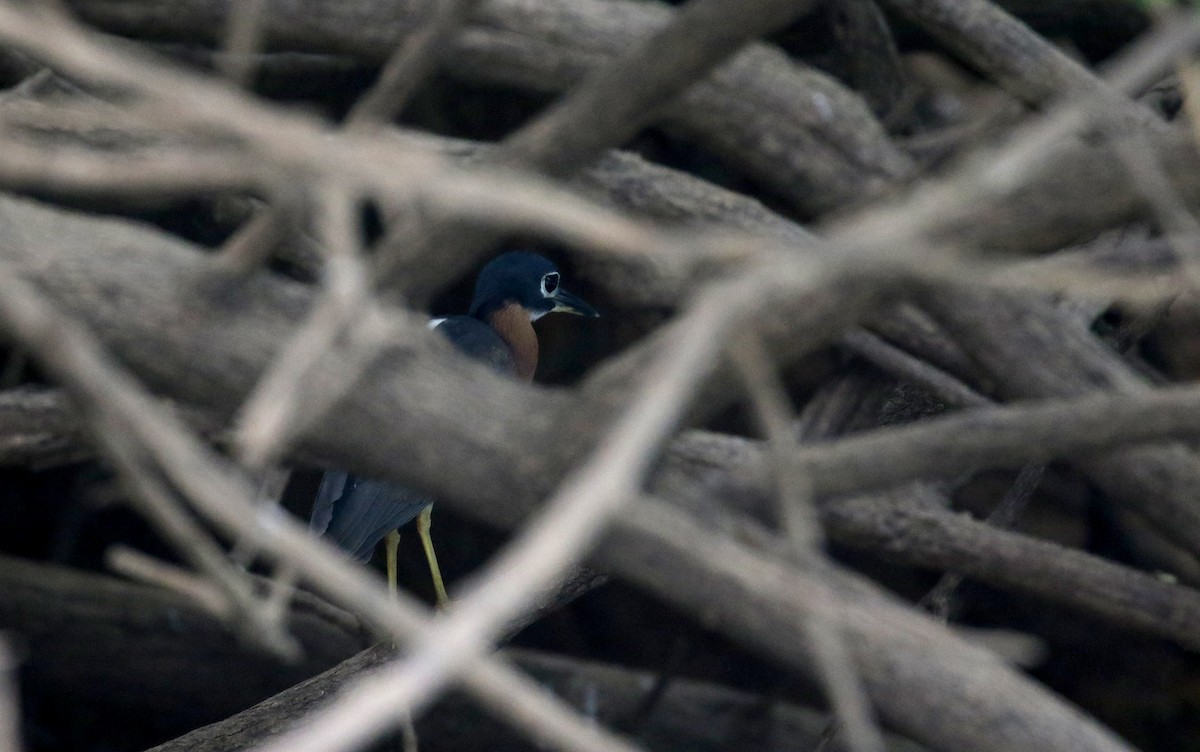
[511,292]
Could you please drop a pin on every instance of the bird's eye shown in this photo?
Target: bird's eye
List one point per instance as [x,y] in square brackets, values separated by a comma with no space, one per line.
[549,284]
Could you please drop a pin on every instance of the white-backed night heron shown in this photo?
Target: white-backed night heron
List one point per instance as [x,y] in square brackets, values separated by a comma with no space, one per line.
[511,292]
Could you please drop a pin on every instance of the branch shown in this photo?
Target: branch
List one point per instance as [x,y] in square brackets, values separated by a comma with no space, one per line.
[618,100]
[691,715]
[1001,437]
[1023,62]
[1013,193]
[920,535]
[1030,349]
[747,593]
[396,401]
[543,551]
[605,110]
[412,61]
[707,473]
[128,628]
[829,150]
[37,428]
[114,402]
[834,664]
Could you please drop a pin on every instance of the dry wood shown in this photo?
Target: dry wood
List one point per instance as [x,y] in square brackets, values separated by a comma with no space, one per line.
[825,148]
[343,377]
[704,575]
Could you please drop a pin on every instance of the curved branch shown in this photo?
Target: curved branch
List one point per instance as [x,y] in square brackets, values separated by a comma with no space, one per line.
[750,595]
[920,535]
[1030,349]
[1023,62]
[915,672]
[826,147]
[128,629]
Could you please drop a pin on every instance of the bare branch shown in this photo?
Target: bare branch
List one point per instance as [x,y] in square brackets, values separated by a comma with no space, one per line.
[756,598]
[1007,436]
[137,566]
[914,370]
[412,61]
[10,706]
[284,403]
[1023,62]
[939,598]
[826,148]
[834,662]
[1060,356]
[113,400]
[619,100]
[242,40]
[573,520]
[919,535]
[34,323]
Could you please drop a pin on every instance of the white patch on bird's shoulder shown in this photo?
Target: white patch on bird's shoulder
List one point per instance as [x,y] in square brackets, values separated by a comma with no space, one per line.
[435,323]
[535,315]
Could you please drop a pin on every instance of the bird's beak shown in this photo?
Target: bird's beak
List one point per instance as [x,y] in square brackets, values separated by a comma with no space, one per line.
[565,302]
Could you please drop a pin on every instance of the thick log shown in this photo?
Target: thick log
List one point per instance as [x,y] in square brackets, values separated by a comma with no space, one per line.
[138,660]
[921,678]
[798,130]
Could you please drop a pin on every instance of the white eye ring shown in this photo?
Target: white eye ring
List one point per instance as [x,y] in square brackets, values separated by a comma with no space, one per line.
[549,284]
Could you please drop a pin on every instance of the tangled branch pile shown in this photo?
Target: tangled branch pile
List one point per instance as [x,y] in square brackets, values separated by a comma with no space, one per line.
[898,303]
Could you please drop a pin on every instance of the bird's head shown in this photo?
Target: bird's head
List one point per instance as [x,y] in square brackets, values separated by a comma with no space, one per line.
[529,280]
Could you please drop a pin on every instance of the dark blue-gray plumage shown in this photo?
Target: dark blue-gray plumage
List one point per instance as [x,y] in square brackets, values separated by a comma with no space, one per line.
[511,292]
[357,512]
[479,341]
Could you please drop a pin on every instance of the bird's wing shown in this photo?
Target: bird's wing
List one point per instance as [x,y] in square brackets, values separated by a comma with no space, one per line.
[357,513]
[369,510]
[333,485]
[479,341]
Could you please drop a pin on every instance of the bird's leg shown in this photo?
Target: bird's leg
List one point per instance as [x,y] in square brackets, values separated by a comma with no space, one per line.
[423,521]
[392,543]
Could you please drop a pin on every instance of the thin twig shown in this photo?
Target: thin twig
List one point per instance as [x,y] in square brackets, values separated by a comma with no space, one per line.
[548,546]
[1007,436]
[906,367]
[32,322]
[138,566]
[774,415]
[666,675]
[384,100]
[938,600]
[283,403]
[157,171]
[835,663]
[622,98]
[1023,62]
[410,64]
[604,111]
[226,498]
[249,247]
[242,37]
[10,705]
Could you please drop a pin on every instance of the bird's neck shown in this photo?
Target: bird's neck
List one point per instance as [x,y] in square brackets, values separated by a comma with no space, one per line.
[511,322]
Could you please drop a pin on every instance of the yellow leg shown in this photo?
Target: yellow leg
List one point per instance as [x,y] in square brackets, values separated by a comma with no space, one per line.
[439,588]
[392,543]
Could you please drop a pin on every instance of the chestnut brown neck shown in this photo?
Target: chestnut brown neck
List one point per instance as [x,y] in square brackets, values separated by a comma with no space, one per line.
[511,322]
